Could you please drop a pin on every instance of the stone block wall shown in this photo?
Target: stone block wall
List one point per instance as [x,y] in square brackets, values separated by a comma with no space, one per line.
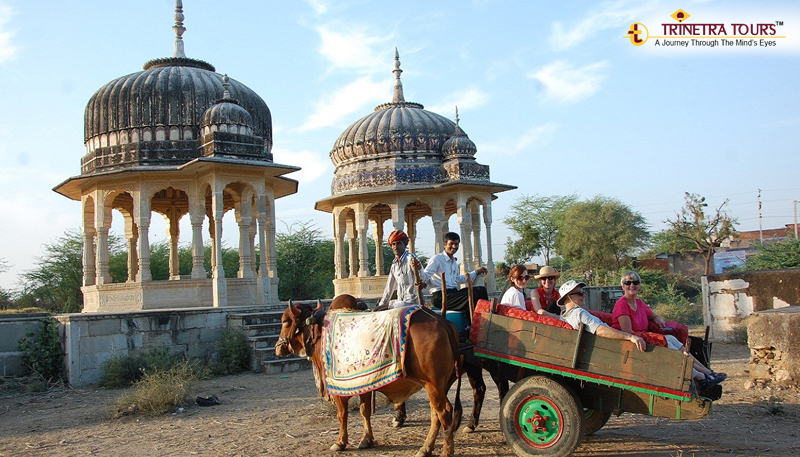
[774,340]
[13,329]
[730,297]
[91,339]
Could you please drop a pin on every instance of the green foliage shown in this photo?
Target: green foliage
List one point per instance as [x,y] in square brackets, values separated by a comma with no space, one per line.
[42,353]
[305,263]
[600,233]
[234,352]
[774,256]
[54,284]
[158,391]
[774,406]
[705,232]
[122,371]
[666,242]
[536,221]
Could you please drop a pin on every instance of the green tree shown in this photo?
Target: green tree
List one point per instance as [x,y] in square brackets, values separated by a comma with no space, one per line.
[6,297]
[600,233]
[774,256]
[666,242]
[536,221]
[305,263]
[54,284]
[705,233]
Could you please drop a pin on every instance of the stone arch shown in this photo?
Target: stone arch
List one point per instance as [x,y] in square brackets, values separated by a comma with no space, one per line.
[172,203]
[414,212]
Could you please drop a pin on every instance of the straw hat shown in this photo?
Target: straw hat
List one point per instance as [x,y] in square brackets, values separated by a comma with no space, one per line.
[547,272]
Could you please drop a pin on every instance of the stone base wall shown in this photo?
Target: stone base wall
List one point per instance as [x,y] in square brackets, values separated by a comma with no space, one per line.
[774,340]
[729,298]
[91,339]
[13,329]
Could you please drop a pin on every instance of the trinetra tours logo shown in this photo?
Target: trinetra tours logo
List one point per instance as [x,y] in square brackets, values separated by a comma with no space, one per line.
[681,34]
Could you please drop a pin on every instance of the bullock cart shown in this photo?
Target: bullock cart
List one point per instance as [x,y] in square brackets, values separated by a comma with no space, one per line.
[568,382]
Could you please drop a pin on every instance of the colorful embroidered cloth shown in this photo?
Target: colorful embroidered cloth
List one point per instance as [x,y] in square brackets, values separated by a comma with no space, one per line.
[364,351]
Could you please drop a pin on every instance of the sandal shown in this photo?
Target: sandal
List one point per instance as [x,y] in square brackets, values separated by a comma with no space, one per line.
[716,377]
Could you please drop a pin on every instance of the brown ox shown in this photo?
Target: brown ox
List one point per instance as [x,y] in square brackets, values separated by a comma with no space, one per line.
[431,362]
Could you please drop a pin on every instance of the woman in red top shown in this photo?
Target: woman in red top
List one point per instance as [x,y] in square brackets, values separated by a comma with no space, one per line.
[546,296]
[631,315]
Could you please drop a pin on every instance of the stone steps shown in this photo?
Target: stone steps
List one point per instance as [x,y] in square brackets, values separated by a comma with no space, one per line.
[262,330]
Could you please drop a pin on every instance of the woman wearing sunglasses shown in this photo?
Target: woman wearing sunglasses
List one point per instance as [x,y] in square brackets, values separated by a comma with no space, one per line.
[631,315]
[546,295]
[515,295]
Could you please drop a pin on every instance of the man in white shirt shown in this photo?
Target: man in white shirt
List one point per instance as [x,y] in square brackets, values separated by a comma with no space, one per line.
[401,276]
[457,299]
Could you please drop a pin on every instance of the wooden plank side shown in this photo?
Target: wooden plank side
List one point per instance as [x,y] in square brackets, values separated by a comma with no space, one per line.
[607,398]
[618,359]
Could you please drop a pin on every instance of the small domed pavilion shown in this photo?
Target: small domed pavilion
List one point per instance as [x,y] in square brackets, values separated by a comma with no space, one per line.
[178,139]
[403,163]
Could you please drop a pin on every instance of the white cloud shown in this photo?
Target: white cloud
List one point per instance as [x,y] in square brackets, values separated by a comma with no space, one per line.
[612,16]
[314,165]
[355,50]
[565,82]
[535,136]
[352,98]
[319,6]
[467,99]
[7,48]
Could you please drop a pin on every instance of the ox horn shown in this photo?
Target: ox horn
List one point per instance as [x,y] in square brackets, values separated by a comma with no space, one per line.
[319,306]
[295,310]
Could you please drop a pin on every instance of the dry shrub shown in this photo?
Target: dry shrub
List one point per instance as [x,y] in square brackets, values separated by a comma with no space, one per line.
[158,392]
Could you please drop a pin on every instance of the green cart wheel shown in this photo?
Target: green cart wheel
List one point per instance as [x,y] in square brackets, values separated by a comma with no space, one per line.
[594,420]
[539,417]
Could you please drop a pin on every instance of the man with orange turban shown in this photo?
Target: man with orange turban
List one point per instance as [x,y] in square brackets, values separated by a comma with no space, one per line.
[401,276]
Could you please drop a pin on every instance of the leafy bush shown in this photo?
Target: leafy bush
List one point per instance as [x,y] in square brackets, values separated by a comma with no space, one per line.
[122,371]
[234,352]
[42,353]
[777,255]
[159,391]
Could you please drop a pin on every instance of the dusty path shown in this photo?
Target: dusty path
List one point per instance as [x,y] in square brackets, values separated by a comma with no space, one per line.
[280,415]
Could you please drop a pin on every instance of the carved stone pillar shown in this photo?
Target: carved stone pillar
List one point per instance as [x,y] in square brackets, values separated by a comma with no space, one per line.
[351,240]
[438,230]
[363,247]
[89,273]
[339,232]
[173,233]
[131,236]
[243,218]
[476,238]
[491,284]
[264,287]
[465,223]
[198,270]
[377,237]
[220,284]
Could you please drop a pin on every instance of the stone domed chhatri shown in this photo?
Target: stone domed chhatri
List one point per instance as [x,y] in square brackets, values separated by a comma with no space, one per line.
[459,145]
[178,139]
[402,164]
[399,144]
[155,116]
[226,115]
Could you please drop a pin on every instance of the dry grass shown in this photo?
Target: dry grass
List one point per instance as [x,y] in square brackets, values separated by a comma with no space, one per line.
[157,392]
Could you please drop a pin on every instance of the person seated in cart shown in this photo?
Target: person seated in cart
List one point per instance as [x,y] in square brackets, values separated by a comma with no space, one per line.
[515,295]
[632,315]
[401,276]
[570,303]
[445,261]
[546,295]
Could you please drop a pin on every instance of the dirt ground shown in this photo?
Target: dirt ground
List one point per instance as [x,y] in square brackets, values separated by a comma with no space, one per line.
[280,415]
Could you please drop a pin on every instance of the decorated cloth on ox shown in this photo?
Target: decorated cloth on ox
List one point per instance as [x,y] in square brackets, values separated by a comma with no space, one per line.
[364,351]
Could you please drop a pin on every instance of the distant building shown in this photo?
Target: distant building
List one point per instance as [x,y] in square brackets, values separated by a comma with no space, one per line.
[745,240]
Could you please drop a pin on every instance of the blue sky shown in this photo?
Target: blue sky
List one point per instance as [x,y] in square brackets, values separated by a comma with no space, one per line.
[555,97]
